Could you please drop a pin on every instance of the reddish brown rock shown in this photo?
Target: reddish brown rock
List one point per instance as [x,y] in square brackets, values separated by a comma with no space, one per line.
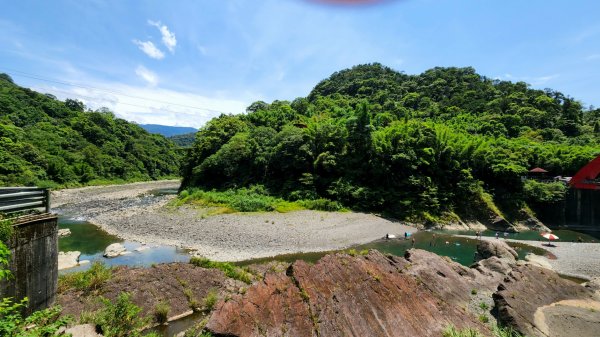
[538,302]
[447,279]
[341,295]
[275,307]
[149,286]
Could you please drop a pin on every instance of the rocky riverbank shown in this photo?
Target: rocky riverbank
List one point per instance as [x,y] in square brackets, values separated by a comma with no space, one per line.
[568,258]
[130,213]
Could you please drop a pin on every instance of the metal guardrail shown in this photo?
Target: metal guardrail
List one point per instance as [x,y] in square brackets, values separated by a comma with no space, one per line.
[17,199]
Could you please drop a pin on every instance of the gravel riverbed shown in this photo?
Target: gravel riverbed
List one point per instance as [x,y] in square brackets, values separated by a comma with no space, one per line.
[572,258]
[129,212]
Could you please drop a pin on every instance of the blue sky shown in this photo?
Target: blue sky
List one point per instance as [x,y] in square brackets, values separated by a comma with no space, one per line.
[183,62]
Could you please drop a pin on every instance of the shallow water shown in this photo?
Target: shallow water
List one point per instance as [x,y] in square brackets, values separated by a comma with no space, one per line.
[178,326]
[564,235]
[461,250]
[91,241]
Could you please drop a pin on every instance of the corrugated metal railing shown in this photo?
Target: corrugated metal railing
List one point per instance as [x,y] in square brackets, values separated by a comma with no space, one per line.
[17,199]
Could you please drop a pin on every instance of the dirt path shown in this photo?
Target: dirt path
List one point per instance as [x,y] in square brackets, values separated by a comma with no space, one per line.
[129,212]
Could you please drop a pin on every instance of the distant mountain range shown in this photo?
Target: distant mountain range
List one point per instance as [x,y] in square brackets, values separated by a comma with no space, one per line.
[166,130]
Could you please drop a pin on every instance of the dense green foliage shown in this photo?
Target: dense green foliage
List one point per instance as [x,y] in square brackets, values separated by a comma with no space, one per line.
[47,142]
[443,142]
[253,199]
[41,323]
[185,140]
[536,191]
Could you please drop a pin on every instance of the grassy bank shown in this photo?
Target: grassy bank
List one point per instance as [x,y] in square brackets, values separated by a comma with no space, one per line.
[253,199]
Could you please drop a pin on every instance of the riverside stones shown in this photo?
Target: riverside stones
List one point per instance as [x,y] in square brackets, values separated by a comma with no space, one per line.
[64,232]
[69,260]
[538,302]
[115,250]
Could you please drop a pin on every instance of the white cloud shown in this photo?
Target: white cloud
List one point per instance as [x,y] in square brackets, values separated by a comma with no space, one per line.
[535,81]
[168,37]
[153,105]
[146,75]
[543,79]
[150,49]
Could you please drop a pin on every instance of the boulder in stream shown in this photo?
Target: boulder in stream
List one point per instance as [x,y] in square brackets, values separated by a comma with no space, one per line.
[115,250]
[497,248]
[64,232]
[68,259]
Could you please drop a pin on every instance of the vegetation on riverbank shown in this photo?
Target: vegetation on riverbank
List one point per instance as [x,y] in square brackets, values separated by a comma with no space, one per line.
[252,199]
[87,281]
[445,143]
[230,270]
[498,331]
[50,143]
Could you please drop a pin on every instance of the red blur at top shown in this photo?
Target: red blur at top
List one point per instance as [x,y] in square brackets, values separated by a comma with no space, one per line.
[587,177]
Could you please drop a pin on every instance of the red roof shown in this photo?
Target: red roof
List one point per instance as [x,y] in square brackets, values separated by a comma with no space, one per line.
[538,170]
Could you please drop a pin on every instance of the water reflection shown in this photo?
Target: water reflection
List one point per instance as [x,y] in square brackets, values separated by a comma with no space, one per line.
[91,241]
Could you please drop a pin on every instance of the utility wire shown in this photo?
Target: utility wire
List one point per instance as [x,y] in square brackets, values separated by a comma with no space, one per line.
[135,105]
[37,77]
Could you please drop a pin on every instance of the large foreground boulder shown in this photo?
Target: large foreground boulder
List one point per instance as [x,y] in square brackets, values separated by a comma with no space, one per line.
[497,248]
[538,302]
[342,295]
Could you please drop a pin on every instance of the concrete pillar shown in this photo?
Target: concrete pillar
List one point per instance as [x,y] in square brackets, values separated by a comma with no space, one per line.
[34,262]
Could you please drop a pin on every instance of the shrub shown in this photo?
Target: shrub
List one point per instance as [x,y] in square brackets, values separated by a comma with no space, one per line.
[40,324]
[6,230]
[322,205]
[87,281]
[229,269]
[483,318]
[210,300]
[121,318]
[161,312]
[451,331]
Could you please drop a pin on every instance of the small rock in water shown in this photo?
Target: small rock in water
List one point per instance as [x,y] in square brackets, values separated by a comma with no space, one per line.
[141,248]
[114,250]
[68,260]
[64,232]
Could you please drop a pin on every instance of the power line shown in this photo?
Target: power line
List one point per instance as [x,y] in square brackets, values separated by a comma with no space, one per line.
[135,105]
[37,77]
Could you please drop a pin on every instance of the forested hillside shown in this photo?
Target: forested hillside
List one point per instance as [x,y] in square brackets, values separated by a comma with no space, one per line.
[44,141]
[443,143]
[184,140]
